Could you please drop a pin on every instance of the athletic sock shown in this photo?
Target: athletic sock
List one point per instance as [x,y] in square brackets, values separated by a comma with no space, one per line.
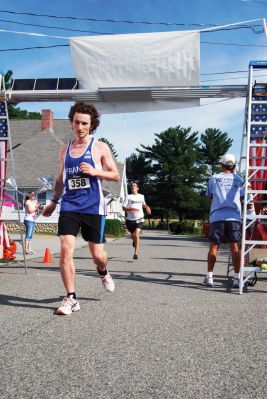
[72,294]
[102,272]
[237,275]
[209,274]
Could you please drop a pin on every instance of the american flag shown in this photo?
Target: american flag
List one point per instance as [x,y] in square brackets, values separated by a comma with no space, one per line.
[3,121]
[2,108]
[259,154]
[4,240]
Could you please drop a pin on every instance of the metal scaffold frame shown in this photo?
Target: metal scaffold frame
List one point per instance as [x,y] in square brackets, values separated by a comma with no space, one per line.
[253,163]
[6,156]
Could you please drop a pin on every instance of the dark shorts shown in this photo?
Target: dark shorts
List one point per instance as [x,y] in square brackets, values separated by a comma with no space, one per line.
[225,232]
[132,225]
[92,226]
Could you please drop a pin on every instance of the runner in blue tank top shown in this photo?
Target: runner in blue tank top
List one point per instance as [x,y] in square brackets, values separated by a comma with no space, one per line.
[82,193]
[84,163]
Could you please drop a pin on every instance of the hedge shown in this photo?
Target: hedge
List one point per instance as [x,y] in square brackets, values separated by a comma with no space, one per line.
[114,227]
[184,227]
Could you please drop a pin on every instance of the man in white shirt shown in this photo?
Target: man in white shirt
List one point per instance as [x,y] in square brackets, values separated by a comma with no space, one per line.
[135,215]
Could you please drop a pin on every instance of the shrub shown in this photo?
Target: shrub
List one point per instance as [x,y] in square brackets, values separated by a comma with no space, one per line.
[184,227]
[114,227]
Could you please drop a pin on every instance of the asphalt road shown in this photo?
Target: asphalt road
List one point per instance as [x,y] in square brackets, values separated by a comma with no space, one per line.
[162,334]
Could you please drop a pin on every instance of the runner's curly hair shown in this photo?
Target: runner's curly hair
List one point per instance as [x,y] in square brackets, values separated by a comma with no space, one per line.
[88,109]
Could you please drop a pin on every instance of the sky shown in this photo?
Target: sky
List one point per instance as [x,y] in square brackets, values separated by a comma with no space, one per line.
[221,54]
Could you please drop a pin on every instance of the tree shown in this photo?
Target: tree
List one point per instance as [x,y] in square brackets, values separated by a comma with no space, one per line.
[8,79]
[215,143]
[138,169]
[178,170]
[111,146]
[14,112]
[17,113]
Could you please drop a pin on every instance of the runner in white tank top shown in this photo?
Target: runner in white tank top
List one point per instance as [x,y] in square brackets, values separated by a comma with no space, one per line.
[133,207]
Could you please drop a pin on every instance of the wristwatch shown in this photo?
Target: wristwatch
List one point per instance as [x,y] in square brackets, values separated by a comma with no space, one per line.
[55,199]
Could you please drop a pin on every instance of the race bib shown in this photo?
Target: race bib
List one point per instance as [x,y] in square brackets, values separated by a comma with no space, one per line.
[78,183]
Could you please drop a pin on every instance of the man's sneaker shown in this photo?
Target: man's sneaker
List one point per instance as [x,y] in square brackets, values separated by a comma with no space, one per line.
[107,282]
[208,282]
[236,283]
[68,306]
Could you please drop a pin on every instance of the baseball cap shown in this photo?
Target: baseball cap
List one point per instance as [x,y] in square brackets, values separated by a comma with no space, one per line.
[228,159]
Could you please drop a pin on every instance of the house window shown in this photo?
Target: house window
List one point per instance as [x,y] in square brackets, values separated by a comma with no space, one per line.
[42,198]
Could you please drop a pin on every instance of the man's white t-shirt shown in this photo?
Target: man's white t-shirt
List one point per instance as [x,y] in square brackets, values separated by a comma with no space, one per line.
[135,201]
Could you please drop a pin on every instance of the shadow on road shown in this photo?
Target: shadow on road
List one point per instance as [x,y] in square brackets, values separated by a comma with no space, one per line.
[10,300]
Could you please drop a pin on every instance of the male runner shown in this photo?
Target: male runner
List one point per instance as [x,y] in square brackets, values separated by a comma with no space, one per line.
[135,215]
[84,163]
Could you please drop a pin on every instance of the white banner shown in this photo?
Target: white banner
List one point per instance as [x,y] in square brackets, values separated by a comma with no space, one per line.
[143,60]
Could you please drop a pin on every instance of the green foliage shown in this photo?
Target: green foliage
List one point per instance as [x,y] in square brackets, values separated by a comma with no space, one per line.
[178,170]
[111,146]
[17,113]
[114,227]
[184,227]
[173,172]
[138,169]
[8,79]
[215,143]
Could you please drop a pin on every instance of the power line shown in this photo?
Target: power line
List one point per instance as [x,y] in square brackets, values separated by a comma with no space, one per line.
[128,21]
[103,20]
[234,44]
[55,27]
[35,47]
[221,73]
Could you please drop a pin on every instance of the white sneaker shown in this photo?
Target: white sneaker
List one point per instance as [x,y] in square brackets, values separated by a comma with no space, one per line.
[31,252]
[108,282]
[68,306]
[236,282]
[208,282]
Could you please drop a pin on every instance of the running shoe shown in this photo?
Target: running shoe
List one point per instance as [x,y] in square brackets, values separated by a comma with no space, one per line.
[135,257]
[68,306]
[31,252]
[236,283]
[107,282]
[208,282]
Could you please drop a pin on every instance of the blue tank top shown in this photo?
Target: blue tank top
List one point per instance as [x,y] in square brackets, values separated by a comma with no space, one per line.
[82,193]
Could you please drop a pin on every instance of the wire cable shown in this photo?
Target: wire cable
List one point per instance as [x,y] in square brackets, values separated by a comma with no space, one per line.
[55,27]
[35,47]
[131,21]
[234,44]
[103,20]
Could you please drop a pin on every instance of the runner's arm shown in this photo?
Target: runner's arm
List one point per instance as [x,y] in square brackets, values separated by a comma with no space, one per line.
[109,171]
[58,190]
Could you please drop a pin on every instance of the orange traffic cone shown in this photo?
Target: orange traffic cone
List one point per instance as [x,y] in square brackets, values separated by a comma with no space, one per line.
[47,257]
